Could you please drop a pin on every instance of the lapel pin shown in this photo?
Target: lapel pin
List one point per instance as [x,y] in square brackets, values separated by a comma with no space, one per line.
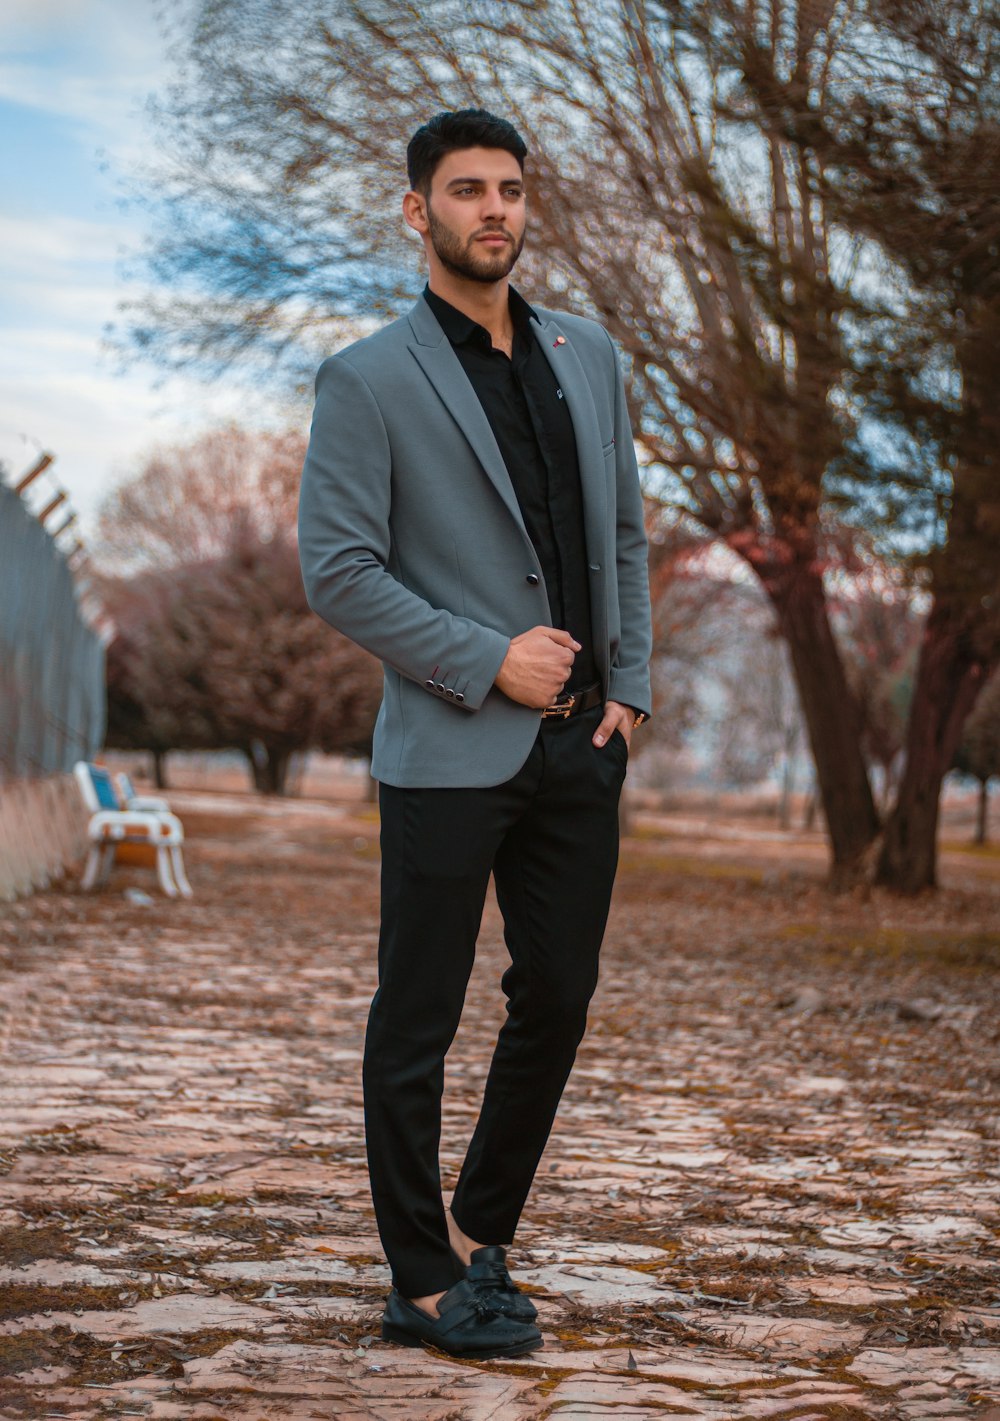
[559,340]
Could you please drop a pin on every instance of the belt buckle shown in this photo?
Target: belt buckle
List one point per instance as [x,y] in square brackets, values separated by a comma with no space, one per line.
[560,711]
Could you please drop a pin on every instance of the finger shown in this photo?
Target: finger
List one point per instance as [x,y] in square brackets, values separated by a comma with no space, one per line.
[563,638]
[607,725]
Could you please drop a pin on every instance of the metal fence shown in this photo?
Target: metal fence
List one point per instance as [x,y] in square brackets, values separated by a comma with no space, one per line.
[52,696]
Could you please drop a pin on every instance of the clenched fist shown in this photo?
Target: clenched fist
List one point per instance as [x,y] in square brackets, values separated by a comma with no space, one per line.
[537,666]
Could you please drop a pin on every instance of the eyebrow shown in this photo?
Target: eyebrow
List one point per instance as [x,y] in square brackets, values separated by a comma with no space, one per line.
[506,182]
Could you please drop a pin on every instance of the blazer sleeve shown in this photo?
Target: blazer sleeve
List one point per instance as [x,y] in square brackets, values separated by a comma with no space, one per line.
[344,547]
[629,680]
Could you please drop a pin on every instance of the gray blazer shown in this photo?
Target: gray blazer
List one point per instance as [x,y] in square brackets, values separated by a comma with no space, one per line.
[412,543]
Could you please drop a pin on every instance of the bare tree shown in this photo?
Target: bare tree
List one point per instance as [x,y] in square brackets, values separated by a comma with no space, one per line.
[759,732]
[879,617]
[194,501]
[226,653]
[689,602]
[907,148]
[216,644]
[978,754]
[666,196]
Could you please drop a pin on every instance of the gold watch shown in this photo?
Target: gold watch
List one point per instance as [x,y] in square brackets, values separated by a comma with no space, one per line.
[640,719]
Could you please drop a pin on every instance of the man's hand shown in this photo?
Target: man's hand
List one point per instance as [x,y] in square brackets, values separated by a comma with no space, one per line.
[616,717]
[537,666]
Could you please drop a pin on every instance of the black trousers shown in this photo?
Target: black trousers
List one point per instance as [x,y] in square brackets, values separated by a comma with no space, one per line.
[550,837]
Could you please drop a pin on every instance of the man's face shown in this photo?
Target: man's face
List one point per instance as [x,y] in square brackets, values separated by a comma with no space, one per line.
[475,213]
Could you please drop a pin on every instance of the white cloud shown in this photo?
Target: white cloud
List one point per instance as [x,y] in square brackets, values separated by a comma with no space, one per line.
[108,30]
[60,389]
[100,427]
[92,62]
[33,16]
[31,247]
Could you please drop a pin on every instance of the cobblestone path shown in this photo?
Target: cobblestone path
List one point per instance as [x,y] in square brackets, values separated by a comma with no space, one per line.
[772,1191]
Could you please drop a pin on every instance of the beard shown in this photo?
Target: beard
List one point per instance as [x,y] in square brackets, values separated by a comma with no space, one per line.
[462,258]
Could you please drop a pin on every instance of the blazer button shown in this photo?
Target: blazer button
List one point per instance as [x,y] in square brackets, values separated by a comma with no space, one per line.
[532,579]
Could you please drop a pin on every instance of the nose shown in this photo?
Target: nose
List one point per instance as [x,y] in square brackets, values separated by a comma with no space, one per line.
[492,207]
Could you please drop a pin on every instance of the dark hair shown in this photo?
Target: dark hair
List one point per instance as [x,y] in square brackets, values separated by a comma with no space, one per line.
[446,132]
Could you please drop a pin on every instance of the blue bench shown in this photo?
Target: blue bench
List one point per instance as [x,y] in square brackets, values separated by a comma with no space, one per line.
[114,821]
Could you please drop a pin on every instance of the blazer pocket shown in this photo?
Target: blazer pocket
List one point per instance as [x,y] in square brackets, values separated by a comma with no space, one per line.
[608,449]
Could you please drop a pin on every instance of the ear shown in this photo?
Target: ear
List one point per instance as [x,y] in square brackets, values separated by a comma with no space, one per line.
[415,211]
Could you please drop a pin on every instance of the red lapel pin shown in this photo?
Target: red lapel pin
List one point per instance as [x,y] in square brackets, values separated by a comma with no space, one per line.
[559,340]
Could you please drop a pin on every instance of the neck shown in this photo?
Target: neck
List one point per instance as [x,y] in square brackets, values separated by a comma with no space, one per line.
[484,302]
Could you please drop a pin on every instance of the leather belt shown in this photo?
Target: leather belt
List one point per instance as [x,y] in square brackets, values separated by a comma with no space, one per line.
[573,702]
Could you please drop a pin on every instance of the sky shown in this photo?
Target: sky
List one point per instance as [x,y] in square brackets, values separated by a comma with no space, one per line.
[74,77]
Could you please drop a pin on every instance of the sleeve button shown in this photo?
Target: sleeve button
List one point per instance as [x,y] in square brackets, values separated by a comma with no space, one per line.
[459,696]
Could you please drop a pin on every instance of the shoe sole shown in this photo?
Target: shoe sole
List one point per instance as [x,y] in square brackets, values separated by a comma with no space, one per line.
[479,1354]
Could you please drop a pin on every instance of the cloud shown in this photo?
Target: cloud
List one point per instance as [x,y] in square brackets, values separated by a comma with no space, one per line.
[87,100]
[30,247]
[91,62]
[58,396]
[87,64]
[61,274]
[61,391]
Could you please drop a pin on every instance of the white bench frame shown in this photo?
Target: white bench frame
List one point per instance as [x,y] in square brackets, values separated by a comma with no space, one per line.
[130,825]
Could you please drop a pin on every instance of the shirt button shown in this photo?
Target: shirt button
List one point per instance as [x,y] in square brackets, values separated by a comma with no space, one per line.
[532,579]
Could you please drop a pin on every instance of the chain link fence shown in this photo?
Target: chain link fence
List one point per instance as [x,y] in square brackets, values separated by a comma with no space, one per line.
[52,695]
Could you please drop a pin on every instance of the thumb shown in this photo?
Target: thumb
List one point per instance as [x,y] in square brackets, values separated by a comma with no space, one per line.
[605,728]
[563,638]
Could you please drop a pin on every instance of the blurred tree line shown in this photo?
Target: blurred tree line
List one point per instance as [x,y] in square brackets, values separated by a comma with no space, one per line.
[785,212]
[215,644]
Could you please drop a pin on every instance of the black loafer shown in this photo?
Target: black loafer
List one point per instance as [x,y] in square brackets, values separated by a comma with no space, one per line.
[488,1274]
[468,1325]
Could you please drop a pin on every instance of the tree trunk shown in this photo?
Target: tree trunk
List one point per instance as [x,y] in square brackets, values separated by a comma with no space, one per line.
[789,749]
[949,678]
[160,769]
[268,766]
[810,809]
[785,806]
[982,810]
[831,718]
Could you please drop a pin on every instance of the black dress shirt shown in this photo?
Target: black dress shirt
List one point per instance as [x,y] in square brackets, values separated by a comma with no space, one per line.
[521,398]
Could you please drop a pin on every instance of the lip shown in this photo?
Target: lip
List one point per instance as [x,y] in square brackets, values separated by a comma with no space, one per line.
[494,241]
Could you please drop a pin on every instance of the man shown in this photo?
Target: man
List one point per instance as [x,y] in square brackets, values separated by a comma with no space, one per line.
[470,513]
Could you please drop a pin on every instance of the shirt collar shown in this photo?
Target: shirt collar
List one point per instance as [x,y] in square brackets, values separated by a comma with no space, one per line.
[459,327]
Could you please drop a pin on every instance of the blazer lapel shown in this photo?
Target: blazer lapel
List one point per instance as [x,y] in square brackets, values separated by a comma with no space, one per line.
[444,370]
[589,450]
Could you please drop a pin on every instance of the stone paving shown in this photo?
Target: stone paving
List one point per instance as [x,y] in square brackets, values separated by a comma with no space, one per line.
[772,1191]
